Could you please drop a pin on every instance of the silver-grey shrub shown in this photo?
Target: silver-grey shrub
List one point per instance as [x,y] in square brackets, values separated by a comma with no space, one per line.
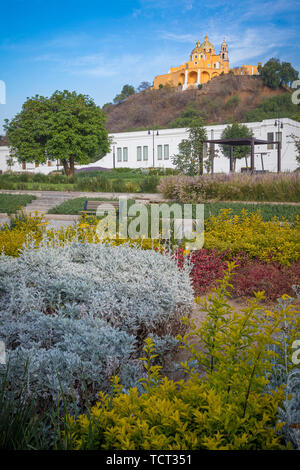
[83,310]
[140,291]
[47,355]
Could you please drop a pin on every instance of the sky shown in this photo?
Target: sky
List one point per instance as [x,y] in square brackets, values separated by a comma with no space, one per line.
[96,47]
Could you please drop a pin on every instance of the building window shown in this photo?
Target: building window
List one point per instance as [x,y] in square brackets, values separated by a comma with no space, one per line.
[119,154]
[139,154]
[270,137]
[145,153]
[125,154]
[23,165]
[49,163]
[196,63]
[166,152]
[195,56]
[159,152]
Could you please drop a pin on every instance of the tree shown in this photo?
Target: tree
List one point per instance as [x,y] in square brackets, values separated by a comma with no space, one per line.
[143,86]
[186,117]
[236,131]
[190,158]
[127,91]
[274,73]
[296,141]
[288,74]
[66,127]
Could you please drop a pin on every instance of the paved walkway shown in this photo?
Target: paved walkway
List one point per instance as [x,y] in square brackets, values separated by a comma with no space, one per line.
[46,200]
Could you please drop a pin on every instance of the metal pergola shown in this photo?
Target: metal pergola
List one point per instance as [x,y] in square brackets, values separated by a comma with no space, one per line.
[251,141]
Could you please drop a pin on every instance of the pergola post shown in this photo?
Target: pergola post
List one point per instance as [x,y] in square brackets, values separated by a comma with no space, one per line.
[249,142]
[252,155]
[278,157]
[231,159]
[212,153]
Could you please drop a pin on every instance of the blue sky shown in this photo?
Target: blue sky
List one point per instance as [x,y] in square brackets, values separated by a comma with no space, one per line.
[95,47]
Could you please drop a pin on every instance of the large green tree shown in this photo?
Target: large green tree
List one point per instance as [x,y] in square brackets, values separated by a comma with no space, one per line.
[275,73]
[68,127]
[236,131]
[190,159]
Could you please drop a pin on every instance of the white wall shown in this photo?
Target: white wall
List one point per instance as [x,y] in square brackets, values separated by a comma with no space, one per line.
[4,154]
[173,137]
[221,164]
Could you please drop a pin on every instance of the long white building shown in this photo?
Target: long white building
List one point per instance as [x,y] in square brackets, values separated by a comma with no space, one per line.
[146,149]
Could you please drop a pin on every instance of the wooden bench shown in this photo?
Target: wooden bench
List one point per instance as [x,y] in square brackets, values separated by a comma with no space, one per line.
[90,207]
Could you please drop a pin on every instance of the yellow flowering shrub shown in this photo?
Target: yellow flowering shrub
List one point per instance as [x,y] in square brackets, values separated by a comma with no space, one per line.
[226,409]
[19,230]
[274,240]
[27,227]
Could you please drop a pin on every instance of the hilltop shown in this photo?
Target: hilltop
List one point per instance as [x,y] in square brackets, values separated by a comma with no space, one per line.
[222,100]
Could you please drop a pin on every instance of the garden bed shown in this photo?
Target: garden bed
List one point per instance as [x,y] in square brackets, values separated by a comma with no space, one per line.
[10,203]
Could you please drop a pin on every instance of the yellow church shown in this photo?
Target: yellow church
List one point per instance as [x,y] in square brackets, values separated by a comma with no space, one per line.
[204,64]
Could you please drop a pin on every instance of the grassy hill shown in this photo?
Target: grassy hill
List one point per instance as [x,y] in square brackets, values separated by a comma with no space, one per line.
[224,99]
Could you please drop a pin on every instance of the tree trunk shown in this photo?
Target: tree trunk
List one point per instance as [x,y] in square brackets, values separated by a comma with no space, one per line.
[69,166]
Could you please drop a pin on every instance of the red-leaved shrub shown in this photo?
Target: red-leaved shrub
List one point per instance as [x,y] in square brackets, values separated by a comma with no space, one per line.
[273,278]
[250,275]
[208,266]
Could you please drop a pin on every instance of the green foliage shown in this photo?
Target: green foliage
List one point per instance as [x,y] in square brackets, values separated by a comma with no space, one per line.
[296,141]
[186,117]
[119,180]
[190,158]
[127,90]
[222,406]
[282,187]
[236,131]
[275,73]
[10,203]
[143,86]
[232,102]
[280,105]
[17,423]
[65,127]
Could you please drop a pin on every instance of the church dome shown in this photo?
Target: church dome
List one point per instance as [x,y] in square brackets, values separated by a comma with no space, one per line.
[207,46]
[196,49]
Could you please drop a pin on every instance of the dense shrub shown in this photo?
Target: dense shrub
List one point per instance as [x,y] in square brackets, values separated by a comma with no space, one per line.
[283,187]
[49,355]
[83,310]
[141,291]
[20,229]
[207,267]
[149,184]
[248,233]
[273,278]
[227,409]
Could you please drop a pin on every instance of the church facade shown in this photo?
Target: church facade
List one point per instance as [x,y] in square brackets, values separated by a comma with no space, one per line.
[203,65]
